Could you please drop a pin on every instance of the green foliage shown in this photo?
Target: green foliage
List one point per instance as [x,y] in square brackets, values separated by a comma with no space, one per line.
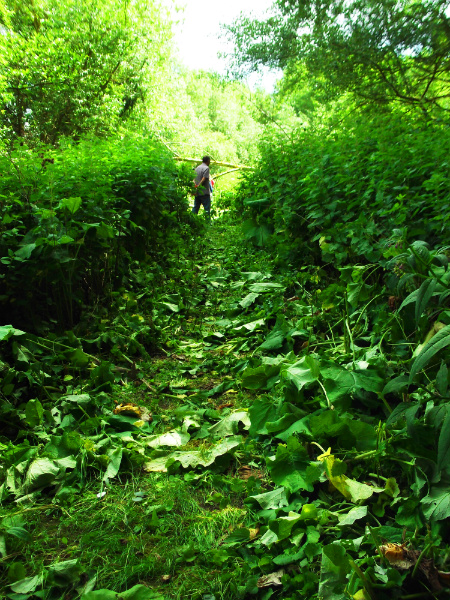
[384,52]
[339,195]
[74,229]
[201,113]
[71,68]
[317,371]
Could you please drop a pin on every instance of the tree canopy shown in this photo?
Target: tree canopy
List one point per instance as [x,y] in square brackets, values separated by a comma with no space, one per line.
[74,67]
[394,51]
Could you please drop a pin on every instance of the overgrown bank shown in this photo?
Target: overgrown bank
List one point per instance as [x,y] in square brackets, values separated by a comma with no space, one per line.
[289,440]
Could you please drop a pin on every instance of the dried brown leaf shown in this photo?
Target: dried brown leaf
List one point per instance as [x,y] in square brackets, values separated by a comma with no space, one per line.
[271,579]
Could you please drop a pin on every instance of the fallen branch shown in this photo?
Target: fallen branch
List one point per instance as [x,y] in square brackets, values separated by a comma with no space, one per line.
[230,171]
[213,162]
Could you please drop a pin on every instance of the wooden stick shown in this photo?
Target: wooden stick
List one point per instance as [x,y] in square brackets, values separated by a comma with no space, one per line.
[213,162]
[226,172]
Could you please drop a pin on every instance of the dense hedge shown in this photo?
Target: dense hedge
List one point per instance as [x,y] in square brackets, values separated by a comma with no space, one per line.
[74,220]
[341,194]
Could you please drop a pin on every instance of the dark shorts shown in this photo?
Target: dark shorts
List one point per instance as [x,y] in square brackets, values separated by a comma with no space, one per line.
[199,200]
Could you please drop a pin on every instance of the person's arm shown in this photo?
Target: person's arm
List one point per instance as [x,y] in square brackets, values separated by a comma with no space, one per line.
[199,184]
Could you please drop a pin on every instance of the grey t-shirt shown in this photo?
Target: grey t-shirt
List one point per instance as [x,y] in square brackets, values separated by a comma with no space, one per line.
[202,171]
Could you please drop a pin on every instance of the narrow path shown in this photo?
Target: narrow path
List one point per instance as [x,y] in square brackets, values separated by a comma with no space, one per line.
[152,501]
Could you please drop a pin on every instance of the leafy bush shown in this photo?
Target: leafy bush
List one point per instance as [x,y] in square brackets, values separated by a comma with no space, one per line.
[341,194]
[75,220]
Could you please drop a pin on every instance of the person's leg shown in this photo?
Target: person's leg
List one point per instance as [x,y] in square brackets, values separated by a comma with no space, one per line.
[197,204]
[207,203]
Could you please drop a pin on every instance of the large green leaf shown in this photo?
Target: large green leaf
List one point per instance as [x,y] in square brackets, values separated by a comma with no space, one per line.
[71,204]
[423,297]
[270,500]
[8,331]
[436,505]
[138,592]
[174,437]
[340,382]
[25,251]
[359,512]
[439,341]
[249,299]
[41,472]
[304,371]
[333,572]
[261,411]
[115,458]
[282,526]
[292,467]
[27,585]
[194,458]
[34,412]
[265,287]
[229,425]
[262,377]
[19,532]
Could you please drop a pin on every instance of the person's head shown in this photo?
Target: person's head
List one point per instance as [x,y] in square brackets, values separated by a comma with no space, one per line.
[206,160]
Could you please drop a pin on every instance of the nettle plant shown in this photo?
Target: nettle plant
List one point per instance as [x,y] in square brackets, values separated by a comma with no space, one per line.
[72,225]
[337,195]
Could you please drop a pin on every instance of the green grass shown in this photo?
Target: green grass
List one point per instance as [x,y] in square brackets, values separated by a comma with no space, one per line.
[176,530]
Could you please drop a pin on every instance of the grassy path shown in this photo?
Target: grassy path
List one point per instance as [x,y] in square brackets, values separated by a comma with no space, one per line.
[283,453]
[165,529]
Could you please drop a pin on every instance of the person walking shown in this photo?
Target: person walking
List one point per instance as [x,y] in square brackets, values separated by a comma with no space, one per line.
[202,187]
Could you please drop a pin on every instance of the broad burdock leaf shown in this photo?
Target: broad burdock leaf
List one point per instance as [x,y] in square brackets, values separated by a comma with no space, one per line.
[262,377]
[71,204]
[193,458]
[115,458]
[229,425]
[262,411]
[274,499]
[340,382]
[335,567]
[274,340]
[41,473]
[292,467]
[282,526]
[436,505]
[34,411]
[305,371]
[8,331]
[350,488]
[174,437]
